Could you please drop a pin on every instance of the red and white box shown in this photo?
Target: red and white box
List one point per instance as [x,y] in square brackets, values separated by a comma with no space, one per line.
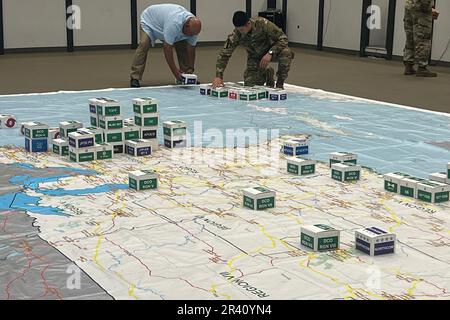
[8,121]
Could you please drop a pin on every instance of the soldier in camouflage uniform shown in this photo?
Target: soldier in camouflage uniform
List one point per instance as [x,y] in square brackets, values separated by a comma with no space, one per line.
[418,22]
[265,43]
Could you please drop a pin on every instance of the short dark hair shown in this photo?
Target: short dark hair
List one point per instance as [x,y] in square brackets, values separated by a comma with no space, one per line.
[240,18]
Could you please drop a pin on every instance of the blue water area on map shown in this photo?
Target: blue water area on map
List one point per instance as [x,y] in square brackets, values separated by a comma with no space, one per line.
[23,201]
[385,138]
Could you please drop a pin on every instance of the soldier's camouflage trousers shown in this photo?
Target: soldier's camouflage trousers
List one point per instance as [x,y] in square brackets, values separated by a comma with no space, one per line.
[418,36]
[254,75]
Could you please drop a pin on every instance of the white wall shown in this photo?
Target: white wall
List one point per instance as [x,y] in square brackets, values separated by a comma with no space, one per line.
[441,33]
[303,21]
[217,16]
[258,6]
[31,24]
[344,26]
[103,22]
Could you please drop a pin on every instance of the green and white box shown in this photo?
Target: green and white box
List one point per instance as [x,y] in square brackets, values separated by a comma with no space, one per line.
[259,198]
[438,177]
[67,127]
[392,181]
[319,237]
[220,92]
[23,125]
[131,131]
[146,119]
[108,108]
[175,129]
[408,186]
[143,180]
[98,132]
[300,166]
[110,122]
[346,157]
[433,192]
[82,155]
[104,151]
[345,172]
[145,105]
[61,147]
[248,95]
[36,130]
[262,92]
[113,136]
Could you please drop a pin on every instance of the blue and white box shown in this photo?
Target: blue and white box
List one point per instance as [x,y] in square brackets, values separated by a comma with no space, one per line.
[138,147]
[295,147]
[205,89]
[277,95]
[188,78]
[81,139]
[36,145]
[374,241]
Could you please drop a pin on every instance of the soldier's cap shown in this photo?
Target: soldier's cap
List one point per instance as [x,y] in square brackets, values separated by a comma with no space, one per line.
[240,18]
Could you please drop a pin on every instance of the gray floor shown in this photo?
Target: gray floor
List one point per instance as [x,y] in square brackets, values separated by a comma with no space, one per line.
[363,77]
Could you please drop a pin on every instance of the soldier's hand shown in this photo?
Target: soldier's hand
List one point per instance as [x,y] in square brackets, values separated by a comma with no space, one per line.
[435,14]
[265,61]
[217,82]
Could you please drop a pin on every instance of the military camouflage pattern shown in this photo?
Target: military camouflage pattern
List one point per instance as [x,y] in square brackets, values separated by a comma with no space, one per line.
[418,23]
[264,36]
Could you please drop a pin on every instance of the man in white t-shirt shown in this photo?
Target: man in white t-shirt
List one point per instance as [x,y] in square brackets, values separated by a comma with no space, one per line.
[176,28]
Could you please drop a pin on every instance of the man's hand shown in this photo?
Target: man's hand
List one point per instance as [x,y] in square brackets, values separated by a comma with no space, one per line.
[217,82]
[435,14]
[177,74]
[265,61]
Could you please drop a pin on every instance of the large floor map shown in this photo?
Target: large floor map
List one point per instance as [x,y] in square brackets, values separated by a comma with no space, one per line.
[76,231]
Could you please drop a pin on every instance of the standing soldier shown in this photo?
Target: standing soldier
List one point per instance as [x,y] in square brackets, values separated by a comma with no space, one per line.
[419,15]
[265,43]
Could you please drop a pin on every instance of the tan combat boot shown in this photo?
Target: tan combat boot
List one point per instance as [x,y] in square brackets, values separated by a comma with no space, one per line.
[424,72]
[409,69]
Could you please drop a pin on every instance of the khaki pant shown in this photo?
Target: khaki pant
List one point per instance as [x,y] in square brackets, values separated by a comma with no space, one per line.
[140,56]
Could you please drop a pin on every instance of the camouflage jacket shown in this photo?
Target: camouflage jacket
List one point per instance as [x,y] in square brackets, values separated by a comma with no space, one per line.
[264,36]
[424,6]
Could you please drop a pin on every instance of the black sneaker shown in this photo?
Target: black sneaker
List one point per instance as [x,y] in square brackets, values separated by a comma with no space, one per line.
[134,83]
